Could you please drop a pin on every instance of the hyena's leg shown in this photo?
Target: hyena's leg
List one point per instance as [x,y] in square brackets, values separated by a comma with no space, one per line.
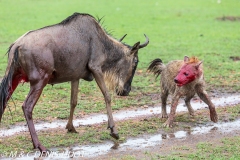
[188,104]
[203,95]
[164,95]
[169,122]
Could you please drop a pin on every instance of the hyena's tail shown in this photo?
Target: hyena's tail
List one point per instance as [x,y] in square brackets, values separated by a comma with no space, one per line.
[156,67]
[9,81]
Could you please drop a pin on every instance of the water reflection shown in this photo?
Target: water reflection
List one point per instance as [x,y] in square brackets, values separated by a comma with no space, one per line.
[121,115]
[95,150]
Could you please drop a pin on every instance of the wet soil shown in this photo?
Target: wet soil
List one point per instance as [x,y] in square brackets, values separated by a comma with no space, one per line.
[185,145]
[144,111]
[162,143]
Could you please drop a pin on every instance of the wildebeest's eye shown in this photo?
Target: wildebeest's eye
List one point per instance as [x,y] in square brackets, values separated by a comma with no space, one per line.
[186,74]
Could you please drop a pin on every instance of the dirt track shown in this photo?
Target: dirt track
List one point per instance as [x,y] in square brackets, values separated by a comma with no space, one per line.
[172,145]
[157,144]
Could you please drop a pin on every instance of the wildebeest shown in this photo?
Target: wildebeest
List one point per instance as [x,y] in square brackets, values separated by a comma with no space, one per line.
[181,78]
[76,48]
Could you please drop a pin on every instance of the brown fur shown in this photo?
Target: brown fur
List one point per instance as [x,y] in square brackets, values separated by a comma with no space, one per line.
[76,48]
[193,60]
[168,73]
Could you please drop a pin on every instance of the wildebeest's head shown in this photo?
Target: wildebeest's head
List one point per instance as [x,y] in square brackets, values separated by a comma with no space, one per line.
[131,66]
[191,70]
[125,69]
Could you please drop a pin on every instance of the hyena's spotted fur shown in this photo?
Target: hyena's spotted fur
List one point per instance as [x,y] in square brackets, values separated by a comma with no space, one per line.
[181,78]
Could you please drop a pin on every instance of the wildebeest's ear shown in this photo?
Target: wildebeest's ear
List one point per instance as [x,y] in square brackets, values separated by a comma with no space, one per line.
[198,65]
[186,59]
[135,47]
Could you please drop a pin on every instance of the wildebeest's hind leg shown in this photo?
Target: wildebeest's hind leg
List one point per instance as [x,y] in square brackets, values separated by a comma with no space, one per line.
[36,88]
[164,95]
[188,104]
[203,95]
[98,75]
[73,103]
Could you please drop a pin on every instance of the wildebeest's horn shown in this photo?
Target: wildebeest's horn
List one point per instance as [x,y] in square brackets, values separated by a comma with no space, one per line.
[122,38]
[145,44]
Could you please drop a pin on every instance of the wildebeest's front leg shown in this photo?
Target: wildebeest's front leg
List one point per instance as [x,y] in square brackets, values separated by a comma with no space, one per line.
[73,103]
[203,95]
[98,75]
[36,88]
[169,122]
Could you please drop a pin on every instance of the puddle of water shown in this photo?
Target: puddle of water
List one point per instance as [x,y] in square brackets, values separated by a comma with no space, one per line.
[222,127]
[90,151]
[121,115]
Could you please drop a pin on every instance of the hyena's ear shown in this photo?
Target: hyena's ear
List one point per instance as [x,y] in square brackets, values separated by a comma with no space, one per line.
[199,64]
[186,59]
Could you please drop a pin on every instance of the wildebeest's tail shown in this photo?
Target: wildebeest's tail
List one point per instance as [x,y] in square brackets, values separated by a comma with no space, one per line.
[156,66]
[9,81]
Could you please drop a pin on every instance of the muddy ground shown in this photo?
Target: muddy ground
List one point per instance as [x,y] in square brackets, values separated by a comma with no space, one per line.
[186,145]
[161,143]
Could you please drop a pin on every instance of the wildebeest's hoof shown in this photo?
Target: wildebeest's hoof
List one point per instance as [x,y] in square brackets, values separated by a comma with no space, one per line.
[44,151]
[114,135]
[71,128]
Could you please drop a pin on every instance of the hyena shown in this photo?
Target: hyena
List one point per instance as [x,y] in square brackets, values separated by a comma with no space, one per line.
[181,78]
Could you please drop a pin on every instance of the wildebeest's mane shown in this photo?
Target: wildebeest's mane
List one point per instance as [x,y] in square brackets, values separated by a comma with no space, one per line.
[107,43]
[101,22]
[72,17]
[65,21]
[76,14]
[107,31]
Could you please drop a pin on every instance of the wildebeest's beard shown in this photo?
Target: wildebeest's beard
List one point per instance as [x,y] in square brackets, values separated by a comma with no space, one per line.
[113,80]
[119,72]
[120,82]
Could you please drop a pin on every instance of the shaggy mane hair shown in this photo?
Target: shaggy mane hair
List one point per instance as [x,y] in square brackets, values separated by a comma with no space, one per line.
[193,60]
[73,17]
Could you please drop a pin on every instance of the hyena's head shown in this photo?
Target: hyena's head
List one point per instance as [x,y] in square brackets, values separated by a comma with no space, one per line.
[190,71]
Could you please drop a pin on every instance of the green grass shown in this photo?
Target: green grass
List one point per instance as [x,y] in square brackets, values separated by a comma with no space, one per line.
[127,128]
[227,148]
[175,29]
